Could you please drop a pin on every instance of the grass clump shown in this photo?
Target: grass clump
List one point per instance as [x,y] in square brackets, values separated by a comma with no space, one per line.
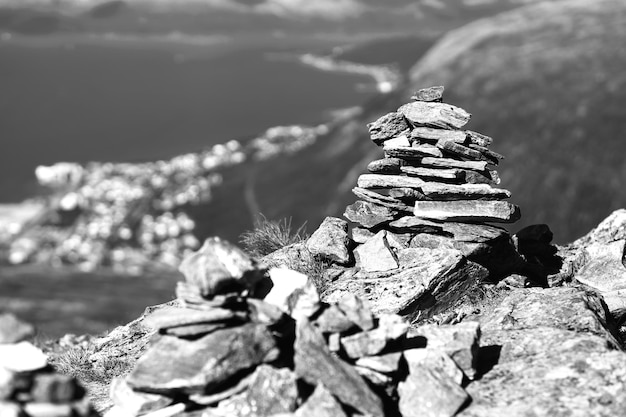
[271,235]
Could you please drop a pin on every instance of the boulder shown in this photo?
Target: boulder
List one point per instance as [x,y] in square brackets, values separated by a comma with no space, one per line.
[375,255]
[330,241]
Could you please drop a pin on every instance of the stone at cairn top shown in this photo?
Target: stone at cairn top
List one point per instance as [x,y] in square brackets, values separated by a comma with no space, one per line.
[433,169]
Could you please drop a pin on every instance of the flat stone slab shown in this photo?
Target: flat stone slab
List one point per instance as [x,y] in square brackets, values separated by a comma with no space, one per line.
[413,152]
[465,232]
[441,191]
[478,138]
[385,166]
[375,255]
[388,181]
[173,365]
[453,163]
[604,267]
[368,215]
[453,174]
[382,200]
[468,210]
[430,134]
[171,316]
[441,115]
[459,150]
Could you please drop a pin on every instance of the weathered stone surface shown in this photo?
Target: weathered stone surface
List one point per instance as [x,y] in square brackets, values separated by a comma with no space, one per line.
[219,267]
[272,391]
[320,404]
[407,195]
[435,115]
[452,174]
[368,215]
[416,224]
[463,232]
[264,312]
[387,127]
[430,393]
[422,290]
[429,94]
[398,241]
[314,363]
[357,310]
[460,342]
[429,134]
[603,267]
[293,292]
[175,317]
[454,163]
[488,154]
[413,152]
[434,359]
[385,166]
[478,138]
[471,210]
[14,330]
[401,141]
[387,363]
[331,240]
[173,365]
[135,403]
[388,181]
[554,351]
[430,241]
[382,200]
[440,191]
[375,255]
[460,150]
[22,357]
[361,234]
[193,330]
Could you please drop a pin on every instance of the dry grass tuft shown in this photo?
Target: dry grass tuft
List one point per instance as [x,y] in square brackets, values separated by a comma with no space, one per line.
[270,235]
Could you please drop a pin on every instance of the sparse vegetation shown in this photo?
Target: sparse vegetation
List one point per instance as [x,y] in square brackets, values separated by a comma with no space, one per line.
[270,235]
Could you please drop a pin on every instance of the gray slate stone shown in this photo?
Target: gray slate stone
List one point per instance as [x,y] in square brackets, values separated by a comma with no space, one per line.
[172,365]
[434,359]
[387,363]
[272,391]
[388,181]
[474,210]
[357,310]
[387,127]
[368,215]
[478,138]
[412,152]
[134,402]
[453,163]
[429,94]
[375,255]
[361,234]
[172,316]
[440,115]
[433,135]
[314,363]
[331,241]
[381,200]
[385,166]
[441,191]
[372,342]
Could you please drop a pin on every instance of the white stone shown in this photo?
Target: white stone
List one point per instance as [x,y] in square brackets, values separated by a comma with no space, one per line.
[22,357]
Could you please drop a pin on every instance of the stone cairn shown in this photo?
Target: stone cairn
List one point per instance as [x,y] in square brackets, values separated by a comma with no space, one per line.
[242,341]
[436,181]
[29,387]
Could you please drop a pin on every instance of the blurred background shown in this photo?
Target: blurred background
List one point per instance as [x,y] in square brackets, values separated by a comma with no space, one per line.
[132,130]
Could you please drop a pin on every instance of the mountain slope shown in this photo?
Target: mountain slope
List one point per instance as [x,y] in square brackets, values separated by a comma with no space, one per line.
[547,82]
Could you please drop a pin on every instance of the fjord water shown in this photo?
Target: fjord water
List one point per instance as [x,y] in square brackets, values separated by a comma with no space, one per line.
[139,101]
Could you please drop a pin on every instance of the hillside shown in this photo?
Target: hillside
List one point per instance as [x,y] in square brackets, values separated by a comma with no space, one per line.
[545,81]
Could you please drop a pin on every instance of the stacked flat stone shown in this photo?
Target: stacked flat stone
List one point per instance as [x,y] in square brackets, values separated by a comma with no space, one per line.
[29,387]
[435,178]
[251,342]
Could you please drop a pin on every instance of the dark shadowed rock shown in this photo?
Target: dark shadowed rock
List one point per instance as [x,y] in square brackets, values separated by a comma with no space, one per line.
[55,388]
[315,364]
[331,240]
[14,330]
[173,365]
[368,215]
[387,127]
[320,404]
[430,393]
[459,150]
[219,267]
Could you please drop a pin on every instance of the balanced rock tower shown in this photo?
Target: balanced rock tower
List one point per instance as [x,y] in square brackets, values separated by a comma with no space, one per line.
[434,194]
